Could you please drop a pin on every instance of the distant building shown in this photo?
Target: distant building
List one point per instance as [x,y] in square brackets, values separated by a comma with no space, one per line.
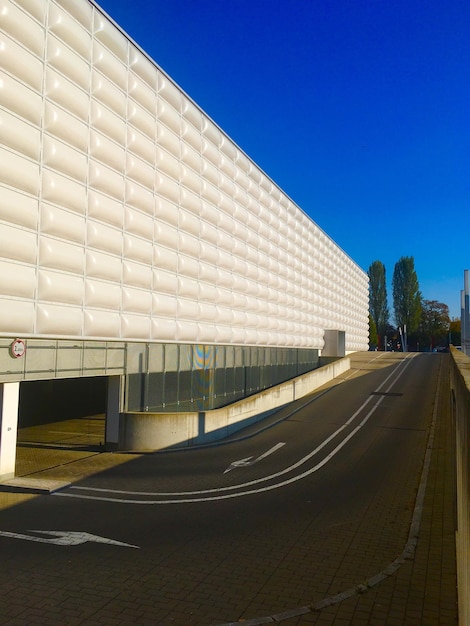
[138,242]
[465,315]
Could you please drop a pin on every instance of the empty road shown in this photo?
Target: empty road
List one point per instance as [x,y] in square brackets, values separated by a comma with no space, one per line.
[276,525]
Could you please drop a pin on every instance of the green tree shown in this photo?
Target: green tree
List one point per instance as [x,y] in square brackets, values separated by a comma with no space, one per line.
[373,337]
[378,307]
[455,331]
[435,323]
[406,294]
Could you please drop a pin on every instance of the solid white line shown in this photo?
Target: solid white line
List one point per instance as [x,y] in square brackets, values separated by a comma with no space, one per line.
[402,364]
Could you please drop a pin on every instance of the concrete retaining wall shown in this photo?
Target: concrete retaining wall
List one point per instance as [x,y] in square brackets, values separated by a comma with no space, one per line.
[156,431]
[460,386]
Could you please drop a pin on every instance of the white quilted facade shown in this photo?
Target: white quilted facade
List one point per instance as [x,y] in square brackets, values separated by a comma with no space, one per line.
[127,214]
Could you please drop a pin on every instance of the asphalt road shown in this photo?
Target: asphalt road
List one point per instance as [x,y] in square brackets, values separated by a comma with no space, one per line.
[305,509]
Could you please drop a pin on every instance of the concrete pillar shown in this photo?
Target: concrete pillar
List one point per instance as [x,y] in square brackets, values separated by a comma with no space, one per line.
[465,326]
[9,402]
[113,408]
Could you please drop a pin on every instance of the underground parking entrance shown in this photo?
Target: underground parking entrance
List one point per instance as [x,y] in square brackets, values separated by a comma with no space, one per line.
[59,421]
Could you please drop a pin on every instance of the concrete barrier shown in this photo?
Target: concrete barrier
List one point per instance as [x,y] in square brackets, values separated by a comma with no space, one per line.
[141,431]
[460,389]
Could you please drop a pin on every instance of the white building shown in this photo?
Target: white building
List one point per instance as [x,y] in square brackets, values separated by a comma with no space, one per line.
[135,236]
[465,314]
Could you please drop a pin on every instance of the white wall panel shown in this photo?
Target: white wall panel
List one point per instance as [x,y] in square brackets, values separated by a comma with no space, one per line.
[21,63]
[60,255]
[166,235]
[107,151]
[207,292]
[20,99]
[65,159]
[62,58]
[107,122]
[107,180]
[168,164]
[104,237]
[164,258]
[138,190]
[170,92]
[188,287]
[101,294]
[105,266]
[65,126]
[139,197]
[67,29]
[186,331]
[18,244]
[105,209]
[190,201]
[66,94]
[59,287]
[187,309]
[107,93]
[140,171]
[169,140]
[19,135]
[143,67]
[137,275]
[81,11]
[63,224]
[135,327]
[111,37]
[165,282]
[102,324]
[18,208]
[190,223]
[210,193]
[109,65]
[188,266]
[163,304]
[142,93]
[17,280]
[138,223]
[141,119]
[137,300]
[19,172]
[163,329]
[192,137]
[58,320]
[167,188]
[138,249]
[141,145]
[18,315]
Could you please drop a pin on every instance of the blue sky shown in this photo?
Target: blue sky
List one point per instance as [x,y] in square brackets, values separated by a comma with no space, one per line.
[358,109]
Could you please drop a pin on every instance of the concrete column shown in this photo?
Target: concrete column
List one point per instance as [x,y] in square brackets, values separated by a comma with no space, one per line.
[9,402]
[113,408]
[465,326]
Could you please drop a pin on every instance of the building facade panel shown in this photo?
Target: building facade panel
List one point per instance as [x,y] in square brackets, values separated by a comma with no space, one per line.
[127,214]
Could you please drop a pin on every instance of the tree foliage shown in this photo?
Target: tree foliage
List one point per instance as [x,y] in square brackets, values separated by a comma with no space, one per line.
[406,294]
[373,337]
[455,332]
[378,306]
[435,323]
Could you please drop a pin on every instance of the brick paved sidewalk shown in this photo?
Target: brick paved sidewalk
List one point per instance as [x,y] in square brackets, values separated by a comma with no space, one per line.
[422,591]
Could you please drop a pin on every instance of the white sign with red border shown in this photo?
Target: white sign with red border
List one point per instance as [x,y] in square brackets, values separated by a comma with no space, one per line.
[18,348]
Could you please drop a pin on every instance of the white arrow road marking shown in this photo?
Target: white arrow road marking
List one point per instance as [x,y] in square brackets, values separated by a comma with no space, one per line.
[220,493]
[251,461]
[65,538]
